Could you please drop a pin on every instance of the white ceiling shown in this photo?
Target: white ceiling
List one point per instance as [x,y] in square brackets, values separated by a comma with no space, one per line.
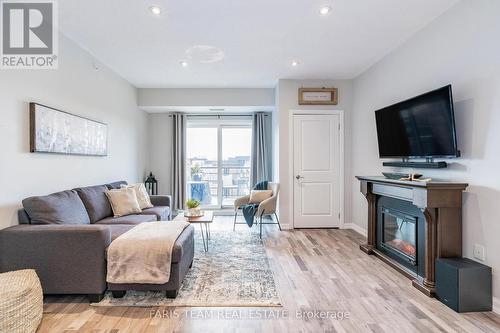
[259,38]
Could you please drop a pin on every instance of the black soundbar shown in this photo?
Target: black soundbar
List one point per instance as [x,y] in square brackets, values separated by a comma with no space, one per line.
[418,165]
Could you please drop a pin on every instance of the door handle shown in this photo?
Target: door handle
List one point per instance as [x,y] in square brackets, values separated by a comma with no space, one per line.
[298,177]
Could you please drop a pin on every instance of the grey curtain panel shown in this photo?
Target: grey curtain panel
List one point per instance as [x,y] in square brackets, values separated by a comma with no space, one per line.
[261,168]
[179,160]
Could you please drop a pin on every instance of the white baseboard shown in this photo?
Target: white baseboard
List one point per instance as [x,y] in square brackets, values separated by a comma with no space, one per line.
[286,226]
[356,228]
[496,305]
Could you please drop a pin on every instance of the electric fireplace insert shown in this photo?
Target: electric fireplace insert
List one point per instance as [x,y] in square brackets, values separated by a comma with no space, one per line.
[400,233]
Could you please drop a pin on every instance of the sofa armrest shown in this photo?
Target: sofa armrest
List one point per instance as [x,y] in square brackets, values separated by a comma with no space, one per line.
[69,259]
[161,200]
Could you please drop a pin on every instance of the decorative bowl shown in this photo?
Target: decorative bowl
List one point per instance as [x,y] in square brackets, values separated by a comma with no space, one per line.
[194,213]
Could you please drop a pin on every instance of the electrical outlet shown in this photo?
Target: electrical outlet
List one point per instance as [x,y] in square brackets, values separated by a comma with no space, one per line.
[478,252]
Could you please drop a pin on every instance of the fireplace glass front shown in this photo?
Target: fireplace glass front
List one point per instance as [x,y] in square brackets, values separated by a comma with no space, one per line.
[399,234]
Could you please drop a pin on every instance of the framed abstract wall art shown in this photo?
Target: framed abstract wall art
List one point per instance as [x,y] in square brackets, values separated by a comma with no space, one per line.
[58,132]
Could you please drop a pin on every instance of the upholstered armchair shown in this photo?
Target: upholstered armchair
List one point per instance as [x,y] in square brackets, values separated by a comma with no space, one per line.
[265,208]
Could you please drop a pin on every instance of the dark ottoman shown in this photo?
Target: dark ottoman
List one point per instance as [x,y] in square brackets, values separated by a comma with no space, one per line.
[182,260]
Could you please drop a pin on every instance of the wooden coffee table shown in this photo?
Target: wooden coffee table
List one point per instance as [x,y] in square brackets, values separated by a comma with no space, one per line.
[203,221]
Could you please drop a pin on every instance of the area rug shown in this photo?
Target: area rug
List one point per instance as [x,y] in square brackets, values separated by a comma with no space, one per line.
[235,272]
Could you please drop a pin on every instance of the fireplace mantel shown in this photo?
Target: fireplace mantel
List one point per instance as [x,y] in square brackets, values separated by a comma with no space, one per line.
[441,205]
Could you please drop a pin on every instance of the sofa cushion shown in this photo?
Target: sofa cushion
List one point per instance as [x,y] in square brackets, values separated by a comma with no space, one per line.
[64,207]
[22,216]
[128,219]
[161,212]
[95,201]
[116,185]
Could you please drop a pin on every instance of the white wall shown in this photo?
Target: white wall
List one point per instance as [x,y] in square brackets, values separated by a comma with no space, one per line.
[160,140]
[286,100]
[162,101]
[77,88]
[152,99]
[462,48]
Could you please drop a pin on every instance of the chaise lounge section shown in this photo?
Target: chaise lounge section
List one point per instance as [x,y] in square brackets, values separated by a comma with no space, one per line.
[64,237]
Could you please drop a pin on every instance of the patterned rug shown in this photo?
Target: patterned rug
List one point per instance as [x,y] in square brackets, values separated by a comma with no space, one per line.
[235,272]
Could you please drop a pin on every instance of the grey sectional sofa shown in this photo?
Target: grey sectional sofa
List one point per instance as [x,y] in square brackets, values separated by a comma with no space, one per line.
[64,237]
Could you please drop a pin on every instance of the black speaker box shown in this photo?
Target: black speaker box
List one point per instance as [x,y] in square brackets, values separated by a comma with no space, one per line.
[463,284]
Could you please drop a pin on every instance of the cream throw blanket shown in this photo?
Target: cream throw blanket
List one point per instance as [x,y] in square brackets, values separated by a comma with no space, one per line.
[144,253]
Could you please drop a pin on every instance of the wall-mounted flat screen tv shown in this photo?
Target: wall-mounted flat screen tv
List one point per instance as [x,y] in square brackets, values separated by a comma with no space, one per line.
[420,127]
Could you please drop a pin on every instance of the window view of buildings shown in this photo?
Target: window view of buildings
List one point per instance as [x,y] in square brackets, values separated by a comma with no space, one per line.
[213,181]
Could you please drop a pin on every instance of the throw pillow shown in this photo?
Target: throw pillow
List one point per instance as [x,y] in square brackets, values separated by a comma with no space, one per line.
[64,207]
[123,201]
[142,195]
[257,196]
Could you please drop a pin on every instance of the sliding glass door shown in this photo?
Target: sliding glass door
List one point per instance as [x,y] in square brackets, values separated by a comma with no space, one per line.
[202,165]
[236,149]
[218,160]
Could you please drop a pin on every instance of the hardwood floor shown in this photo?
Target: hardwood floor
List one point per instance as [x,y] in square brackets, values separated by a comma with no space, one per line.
[316,270]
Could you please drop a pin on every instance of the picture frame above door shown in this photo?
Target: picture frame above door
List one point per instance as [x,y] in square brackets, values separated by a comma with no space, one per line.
[318,96]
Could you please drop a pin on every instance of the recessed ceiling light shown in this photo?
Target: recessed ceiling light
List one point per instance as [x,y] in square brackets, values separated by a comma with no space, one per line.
[295,63]
[155,10]
[184,63]
[325,10]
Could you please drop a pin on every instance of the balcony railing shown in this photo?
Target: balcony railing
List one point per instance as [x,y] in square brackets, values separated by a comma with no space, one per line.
[204,185]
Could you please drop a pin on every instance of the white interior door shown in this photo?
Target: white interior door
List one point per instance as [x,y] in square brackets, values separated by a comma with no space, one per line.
[317,171]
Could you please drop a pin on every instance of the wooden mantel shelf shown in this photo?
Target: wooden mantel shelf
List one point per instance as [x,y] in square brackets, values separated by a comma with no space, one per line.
[441,205]
[429,185]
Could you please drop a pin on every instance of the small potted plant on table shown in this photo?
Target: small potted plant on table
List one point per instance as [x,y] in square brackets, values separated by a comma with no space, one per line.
[193,207]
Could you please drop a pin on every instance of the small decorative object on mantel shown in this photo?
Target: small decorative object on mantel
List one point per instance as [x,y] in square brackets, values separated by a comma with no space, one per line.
[318,96]
[151,184]
[59,132]
[415,177]
[193,208]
